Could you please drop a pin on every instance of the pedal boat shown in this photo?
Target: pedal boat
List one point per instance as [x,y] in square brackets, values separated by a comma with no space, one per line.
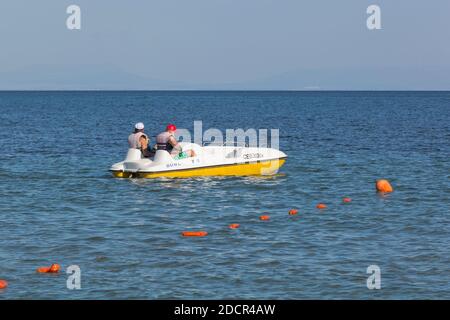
[209,161]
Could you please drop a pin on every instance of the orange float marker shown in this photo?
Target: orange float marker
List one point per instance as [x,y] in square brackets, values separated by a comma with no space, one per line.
[43,269]
[265,217]
[234,225]
[3,284]
[293,212]
[383,186]
[194,233]
[321,206]
[347,200]
[54,268]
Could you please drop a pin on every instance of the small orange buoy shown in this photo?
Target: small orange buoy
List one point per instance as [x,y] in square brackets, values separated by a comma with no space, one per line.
[384,186]
[43,269]
[321,206]
[54,268]
[234,225]
[293,212]
[194,233]
[265,217]
[347,200]
[3,284]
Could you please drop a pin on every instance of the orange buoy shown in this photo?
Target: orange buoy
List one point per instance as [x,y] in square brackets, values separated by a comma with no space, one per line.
[54,268]
[265,217]
[43,269]
[3,284]
[347,200]
[194,233]
[234,225]
[293,212]
[384,186]
[321,206]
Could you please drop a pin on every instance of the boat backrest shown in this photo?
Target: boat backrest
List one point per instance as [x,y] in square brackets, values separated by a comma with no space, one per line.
[162,156]
[133,155]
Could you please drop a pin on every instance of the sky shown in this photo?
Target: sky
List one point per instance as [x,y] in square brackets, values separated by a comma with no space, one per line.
[225,45]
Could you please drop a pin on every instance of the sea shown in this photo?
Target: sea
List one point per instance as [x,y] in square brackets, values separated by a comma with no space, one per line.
[60,204]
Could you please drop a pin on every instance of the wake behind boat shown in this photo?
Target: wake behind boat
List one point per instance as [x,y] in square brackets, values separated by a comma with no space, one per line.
[208,161]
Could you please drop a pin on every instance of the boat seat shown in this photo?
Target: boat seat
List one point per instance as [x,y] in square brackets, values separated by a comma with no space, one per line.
[162,156]
[133,155]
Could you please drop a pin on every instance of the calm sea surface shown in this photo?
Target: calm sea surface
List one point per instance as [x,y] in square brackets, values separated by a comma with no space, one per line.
[60,204]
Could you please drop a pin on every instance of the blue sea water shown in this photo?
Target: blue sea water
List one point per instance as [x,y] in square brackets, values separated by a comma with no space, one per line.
[59,203]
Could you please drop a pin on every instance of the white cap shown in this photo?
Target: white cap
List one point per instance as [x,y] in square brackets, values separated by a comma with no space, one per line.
[139,126]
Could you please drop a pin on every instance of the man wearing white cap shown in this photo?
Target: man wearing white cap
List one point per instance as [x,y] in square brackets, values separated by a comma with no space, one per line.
[133,139]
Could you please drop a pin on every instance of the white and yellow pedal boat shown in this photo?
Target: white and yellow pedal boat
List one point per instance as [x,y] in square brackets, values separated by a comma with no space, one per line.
[209,161]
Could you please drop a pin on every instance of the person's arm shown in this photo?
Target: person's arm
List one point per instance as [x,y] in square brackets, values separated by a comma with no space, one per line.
[131,141]
[176,146]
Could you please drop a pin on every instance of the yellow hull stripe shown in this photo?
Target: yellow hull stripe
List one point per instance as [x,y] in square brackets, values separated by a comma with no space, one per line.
[244,169]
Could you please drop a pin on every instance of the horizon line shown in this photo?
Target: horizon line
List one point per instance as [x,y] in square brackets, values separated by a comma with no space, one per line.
[224,90]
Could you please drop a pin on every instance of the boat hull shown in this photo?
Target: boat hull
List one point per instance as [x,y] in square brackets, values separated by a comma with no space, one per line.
[263,167]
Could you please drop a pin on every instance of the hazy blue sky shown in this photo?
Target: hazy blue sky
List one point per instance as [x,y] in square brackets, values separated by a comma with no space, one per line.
[229,44]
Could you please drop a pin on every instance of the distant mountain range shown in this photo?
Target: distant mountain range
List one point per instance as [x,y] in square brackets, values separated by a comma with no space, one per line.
[85,77]
[104,77]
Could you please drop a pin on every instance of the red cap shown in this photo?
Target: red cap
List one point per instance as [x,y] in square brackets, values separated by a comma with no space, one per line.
[171,127]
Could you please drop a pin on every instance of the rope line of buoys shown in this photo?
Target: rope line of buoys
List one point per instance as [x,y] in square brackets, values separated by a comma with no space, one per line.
[382,185]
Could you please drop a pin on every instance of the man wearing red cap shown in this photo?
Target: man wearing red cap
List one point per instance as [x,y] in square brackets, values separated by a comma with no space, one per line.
[166,141]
